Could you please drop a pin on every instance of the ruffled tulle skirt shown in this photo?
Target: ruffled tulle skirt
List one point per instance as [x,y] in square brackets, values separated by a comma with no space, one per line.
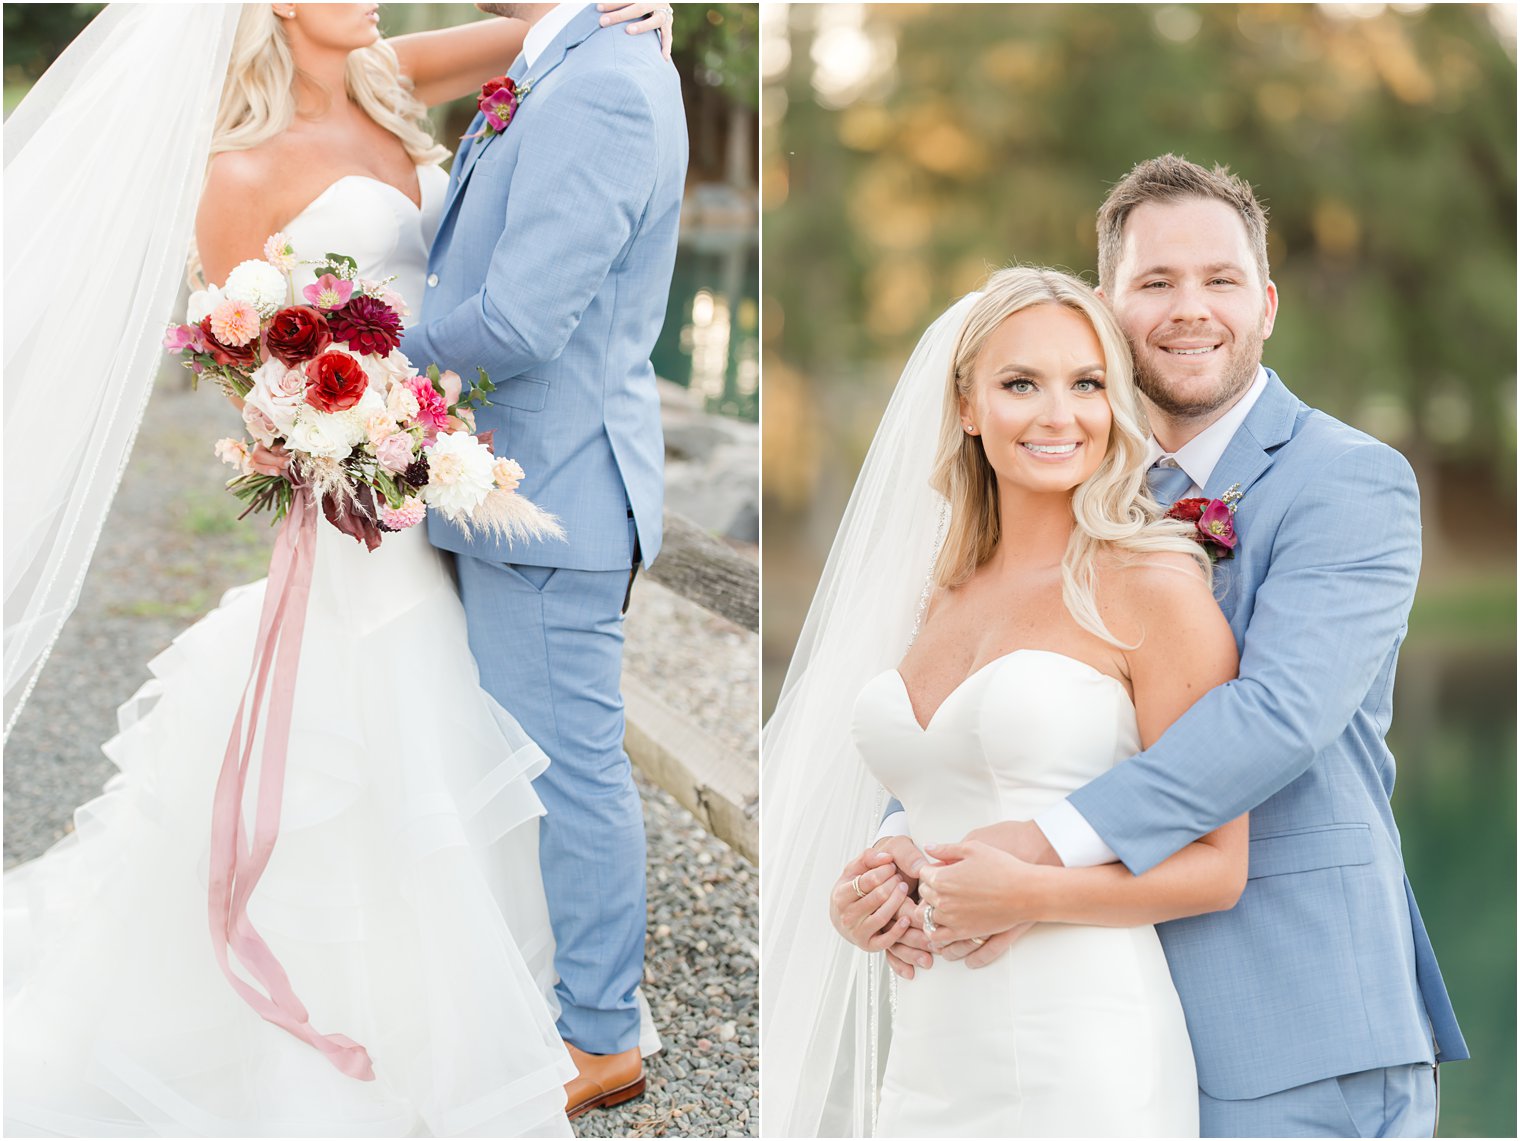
[403,899]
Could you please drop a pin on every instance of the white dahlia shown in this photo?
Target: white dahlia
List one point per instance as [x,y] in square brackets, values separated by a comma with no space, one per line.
[258,283]
[460,474]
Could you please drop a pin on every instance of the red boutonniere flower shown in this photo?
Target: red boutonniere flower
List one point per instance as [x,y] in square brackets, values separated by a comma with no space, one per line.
[498,102]
[1214,520]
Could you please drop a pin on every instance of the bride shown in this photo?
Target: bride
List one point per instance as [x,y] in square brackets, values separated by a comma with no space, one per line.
[404,897]
[1000,552]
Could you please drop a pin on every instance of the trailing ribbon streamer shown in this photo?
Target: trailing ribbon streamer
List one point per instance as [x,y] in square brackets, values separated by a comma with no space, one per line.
[236,863]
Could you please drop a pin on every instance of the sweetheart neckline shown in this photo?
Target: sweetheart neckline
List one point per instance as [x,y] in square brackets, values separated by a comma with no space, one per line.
[924,727]
[331,186]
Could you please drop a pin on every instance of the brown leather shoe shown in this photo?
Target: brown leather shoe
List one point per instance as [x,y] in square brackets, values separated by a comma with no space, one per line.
[604,1079]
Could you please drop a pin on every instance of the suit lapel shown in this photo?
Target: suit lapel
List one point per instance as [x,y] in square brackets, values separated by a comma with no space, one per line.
[574,33]
[1249,453]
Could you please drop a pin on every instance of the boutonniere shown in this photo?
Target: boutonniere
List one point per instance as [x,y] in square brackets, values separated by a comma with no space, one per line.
[1213,520]
[498,102]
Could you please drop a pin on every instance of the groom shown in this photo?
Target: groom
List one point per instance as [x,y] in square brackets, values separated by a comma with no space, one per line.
[1315,1005]
[551,270]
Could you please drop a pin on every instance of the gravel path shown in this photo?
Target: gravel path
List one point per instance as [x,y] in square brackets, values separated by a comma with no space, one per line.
[172,545]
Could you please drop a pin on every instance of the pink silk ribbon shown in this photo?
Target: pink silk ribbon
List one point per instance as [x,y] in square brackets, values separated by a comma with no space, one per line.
[237,863]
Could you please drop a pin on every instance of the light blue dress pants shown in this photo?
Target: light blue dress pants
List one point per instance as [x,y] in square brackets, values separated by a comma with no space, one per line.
[549,642]
[1398,1101]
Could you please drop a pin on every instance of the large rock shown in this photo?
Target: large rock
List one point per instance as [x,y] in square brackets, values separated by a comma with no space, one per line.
[712,466]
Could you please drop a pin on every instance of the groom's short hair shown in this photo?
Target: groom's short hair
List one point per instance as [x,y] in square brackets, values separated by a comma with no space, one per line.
[1167,179]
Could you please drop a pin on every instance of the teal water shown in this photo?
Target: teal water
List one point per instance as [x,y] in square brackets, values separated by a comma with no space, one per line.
[1454,737]
[710,342]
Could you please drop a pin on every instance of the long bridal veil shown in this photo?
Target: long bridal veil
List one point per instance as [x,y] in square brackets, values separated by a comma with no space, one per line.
[104,162]
[821,997]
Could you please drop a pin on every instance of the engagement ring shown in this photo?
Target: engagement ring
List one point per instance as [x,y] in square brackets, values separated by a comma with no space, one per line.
[928,919]
[855,883]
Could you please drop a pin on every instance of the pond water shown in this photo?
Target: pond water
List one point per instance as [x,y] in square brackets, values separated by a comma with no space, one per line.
[711,339]
[1454,737]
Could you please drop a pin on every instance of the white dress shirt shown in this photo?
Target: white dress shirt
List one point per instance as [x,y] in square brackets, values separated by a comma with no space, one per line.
[1067,829]
[549,25]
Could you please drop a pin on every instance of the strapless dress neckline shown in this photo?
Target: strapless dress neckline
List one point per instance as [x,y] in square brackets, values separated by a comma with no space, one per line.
[925,726]
[341,179]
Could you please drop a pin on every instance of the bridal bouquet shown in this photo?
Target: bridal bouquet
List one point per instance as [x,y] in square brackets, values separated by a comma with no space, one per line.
[376,442]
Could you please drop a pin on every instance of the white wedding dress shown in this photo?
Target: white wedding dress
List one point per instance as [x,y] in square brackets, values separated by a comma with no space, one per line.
[403,898]
[1076,1031]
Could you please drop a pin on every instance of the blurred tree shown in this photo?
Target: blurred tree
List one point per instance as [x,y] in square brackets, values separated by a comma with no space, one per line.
[35,34]
[918,145]
[717,54]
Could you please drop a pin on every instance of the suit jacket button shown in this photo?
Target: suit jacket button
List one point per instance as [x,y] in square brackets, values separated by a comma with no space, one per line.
[432,280]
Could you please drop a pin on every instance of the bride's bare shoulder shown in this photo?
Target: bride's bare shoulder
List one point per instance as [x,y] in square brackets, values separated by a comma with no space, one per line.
[241,205]
[254,171]
[1154,585]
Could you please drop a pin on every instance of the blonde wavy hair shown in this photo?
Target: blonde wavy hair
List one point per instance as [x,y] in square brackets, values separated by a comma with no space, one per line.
[1114,513]
[259,95]
[258,99]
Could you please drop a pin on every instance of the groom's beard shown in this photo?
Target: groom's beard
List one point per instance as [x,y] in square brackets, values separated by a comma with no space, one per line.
[1151,377]
[510,11]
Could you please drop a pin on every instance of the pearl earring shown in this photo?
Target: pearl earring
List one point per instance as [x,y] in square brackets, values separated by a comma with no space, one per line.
[970,431]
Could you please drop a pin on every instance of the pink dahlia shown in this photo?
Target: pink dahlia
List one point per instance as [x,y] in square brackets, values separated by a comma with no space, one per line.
[409,514]
[234,323]
[367,325]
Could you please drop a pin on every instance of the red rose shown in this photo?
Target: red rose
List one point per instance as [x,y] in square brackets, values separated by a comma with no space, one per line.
[491,86]
[335,382]
[297,334]
[236,356]
[1187,510]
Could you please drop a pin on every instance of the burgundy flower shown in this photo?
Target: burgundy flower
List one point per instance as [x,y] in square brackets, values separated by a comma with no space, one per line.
[499,107]
[366,325]
[297,333]
[497,101]
[1214,523]
[234,356]
[1217,525]
[336,382]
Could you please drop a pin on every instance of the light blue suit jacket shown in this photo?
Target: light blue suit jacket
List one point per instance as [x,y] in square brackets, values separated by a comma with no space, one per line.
[553,262]
[1324,967]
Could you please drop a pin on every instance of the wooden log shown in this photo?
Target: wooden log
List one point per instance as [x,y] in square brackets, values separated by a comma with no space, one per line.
[713,783]
[707,571]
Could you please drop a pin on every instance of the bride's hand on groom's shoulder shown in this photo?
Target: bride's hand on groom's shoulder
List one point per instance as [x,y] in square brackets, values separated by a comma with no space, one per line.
[650,17]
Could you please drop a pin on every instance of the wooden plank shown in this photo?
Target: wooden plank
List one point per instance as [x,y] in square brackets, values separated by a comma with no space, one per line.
[713,783]
[707,571]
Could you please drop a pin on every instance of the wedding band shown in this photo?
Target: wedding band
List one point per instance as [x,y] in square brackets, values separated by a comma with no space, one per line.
[928,919]
[977,941]
[855,883]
